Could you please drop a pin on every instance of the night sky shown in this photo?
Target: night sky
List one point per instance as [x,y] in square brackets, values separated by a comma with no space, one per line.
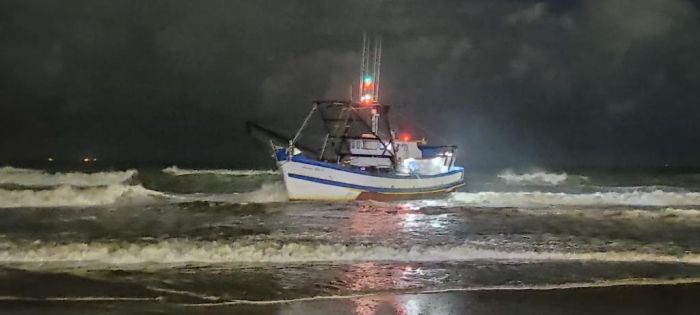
[513,83]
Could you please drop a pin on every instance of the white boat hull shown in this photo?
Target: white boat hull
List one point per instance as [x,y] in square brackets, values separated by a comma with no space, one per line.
[310,180]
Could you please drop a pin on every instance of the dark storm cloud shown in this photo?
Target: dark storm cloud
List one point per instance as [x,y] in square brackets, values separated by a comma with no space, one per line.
[512,82]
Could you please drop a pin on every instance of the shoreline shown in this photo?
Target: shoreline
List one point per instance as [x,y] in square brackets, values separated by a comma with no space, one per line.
[651,298]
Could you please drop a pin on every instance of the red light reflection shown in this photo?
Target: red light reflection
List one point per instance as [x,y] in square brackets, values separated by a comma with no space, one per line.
[378,220]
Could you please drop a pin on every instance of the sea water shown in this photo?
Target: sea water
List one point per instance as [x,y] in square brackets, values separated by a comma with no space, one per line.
[191,240]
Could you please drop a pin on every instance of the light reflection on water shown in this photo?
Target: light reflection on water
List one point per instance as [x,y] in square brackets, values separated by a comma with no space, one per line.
[388,220]
[363,277]
[368,276]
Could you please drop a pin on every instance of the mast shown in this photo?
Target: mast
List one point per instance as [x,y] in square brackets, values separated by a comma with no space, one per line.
[369,84]
[369,70]
[377,64]
[363,66]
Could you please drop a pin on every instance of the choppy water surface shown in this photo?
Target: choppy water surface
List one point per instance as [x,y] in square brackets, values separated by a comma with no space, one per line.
[192,238]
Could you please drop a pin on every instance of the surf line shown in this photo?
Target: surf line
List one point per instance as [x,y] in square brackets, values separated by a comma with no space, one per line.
[544,287]
[78,298]
[185,293]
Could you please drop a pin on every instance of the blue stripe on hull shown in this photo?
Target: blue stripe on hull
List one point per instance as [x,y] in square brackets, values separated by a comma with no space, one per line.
[305,160]
[446,187]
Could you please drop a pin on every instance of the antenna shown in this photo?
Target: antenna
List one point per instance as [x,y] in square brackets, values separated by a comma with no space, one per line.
[363,65]
[377,65]
[369,81]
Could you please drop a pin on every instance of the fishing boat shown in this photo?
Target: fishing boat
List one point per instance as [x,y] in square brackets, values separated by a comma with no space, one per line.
[360,156]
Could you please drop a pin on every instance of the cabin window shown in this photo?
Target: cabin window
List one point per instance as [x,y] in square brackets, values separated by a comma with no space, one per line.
[371,145]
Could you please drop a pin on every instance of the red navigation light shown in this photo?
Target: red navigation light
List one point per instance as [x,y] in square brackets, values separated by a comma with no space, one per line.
[406,137]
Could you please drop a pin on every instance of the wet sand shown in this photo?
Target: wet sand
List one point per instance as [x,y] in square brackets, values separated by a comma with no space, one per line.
[650,299]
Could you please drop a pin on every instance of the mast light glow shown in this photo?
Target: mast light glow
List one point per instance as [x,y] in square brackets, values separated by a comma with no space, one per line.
[367,98]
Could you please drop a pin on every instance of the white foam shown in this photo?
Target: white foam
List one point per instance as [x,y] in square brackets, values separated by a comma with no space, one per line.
[63,196]
[529,199]
[539,177]
[178,251]
[174,170]
[31,177]
[269,192]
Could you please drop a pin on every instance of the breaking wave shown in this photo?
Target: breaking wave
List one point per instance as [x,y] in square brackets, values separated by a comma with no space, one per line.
[538,178]
[72,196]
[174,170]
[269,192]
[530,199]
[177,251]
[64,196]
[32,177]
